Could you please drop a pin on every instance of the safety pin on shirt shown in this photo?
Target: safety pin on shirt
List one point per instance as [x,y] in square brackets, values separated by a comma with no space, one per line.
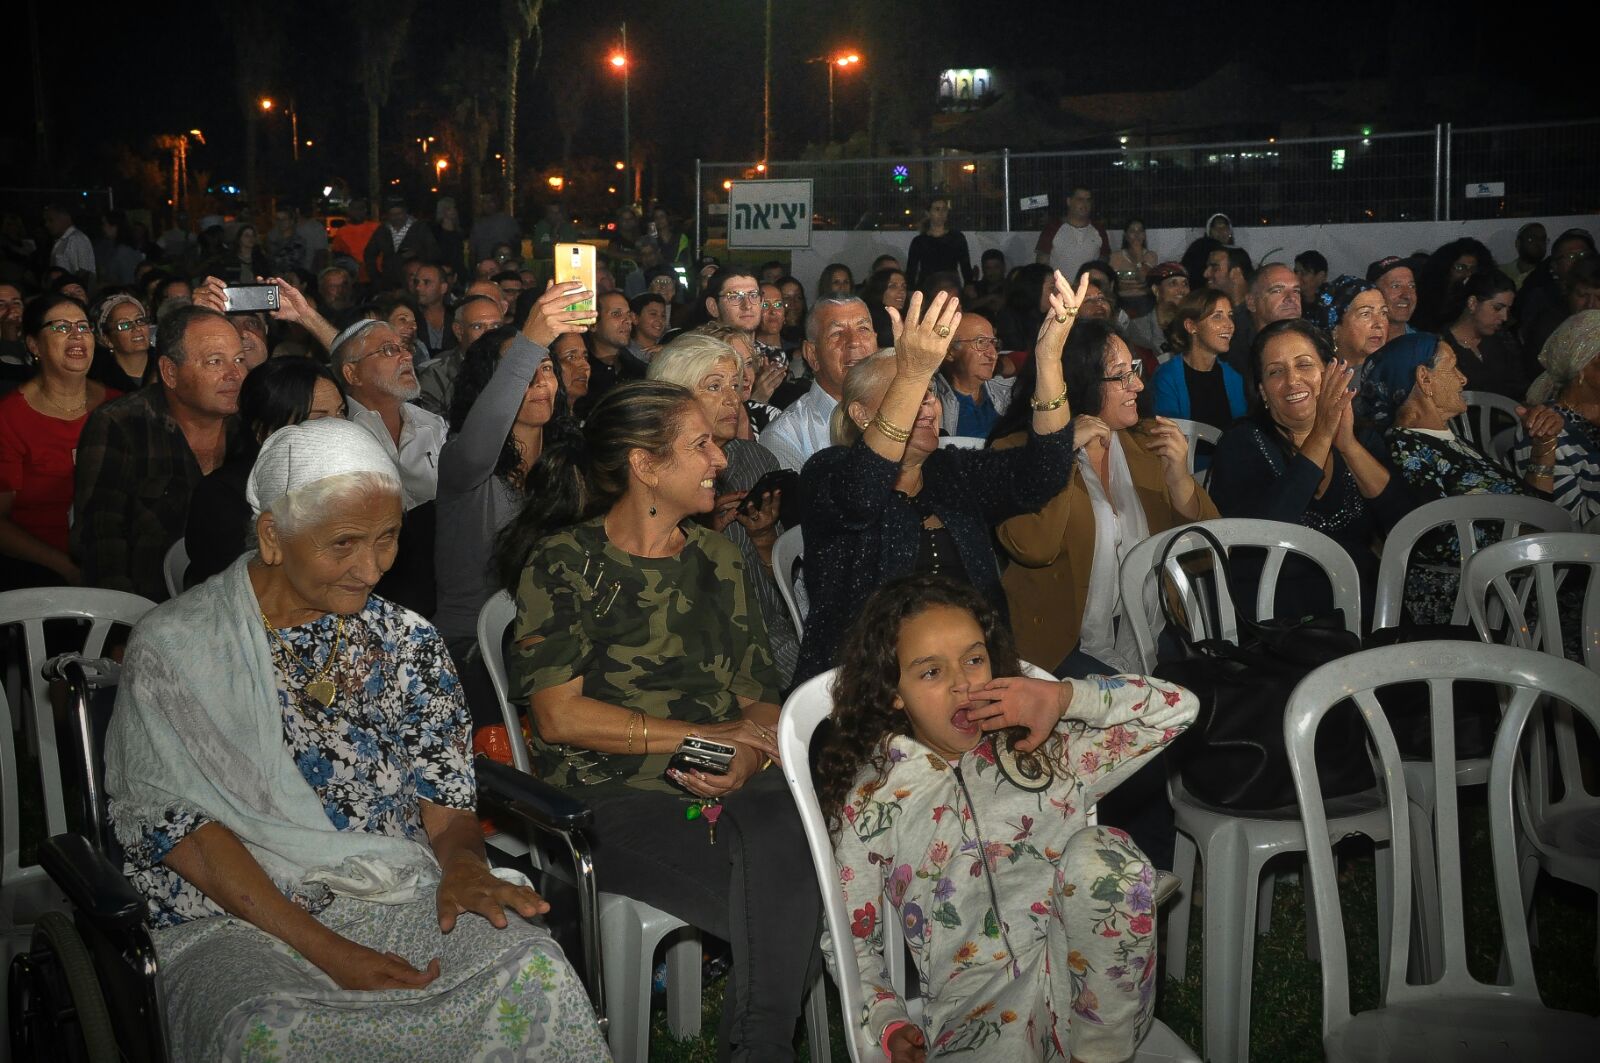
[595,585]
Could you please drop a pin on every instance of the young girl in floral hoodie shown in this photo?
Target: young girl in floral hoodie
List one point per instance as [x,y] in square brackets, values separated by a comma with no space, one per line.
[958,795]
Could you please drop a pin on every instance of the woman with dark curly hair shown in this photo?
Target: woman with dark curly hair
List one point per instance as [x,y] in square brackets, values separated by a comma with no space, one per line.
[1441,277]
[506,407]
[942,760]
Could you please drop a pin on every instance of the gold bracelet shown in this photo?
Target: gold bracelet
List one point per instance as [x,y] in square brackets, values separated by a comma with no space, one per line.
[644,721]
[1054,404]
[894,432]
[633,721]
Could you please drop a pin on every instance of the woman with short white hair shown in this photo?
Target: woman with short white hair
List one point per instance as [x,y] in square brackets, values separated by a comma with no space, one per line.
[290,779]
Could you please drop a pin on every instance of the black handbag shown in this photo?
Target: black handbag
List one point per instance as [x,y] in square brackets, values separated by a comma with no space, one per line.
[1233,756]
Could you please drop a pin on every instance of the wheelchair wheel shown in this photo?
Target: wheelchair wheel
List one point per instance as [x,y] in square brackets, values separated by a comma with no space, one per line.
[57,1010]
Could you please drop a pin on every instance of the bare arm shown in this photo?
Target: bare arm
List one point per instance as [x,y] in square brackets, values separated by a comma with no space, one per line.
[24,546]
[564,715]
[466,884]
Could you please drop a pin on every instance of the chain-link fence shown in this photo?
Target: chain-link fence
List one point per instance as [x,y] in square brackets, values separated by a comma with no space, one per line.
[1551,168]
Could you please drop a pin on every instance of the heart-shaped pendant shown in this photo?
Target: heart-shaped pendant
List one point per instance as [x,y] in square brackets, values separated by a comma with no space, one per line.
[323,690]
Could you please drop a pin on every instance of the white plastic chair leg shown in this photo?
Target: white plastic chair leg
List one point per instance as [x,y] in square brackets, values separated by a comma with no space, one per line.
[684,958]
[630,931]
[1184,852]
[1269,887]
[817,1021]
[1231,889]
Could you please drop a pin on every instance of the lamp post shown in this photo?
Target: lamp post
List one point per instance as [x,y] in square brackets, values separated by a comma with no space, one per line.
[841,61]
[620,61]
[267,104]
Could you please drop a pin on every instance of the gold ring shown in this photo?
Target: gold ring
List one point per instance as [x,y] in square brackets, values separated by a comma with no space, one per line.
[1071,311]
[1061,319]
[943,331]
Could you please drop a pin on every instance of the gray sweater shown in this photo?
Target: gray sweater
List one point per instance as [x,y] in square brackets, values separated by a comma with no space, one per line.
[473,503]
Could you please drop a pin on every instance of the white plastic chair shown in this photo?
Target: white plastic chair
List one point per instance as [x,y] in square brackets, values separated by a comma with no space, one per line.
[1196,432]
[1485,415]
[964,442]
[786,552]
[630,930]
[1500,446]
[1561,836]
[1455,1017]
[26,891]
[173,567]
[1234,849]
[805,709]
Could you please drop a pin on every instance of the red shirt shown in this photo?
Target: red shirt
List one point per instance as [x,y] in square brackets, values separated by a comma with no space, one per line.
[351,239]
[36,463]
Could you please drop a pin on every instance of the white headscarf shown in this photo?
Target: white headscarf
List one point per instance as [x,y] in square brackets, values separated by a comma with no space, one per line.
[301,454]
[1566,353]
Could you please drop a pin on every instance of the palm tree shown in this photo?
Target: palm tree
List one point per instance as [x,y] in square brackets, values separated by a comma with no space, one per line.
[258,40]
[381,27]
[569,96]
[468,84]
[520,19]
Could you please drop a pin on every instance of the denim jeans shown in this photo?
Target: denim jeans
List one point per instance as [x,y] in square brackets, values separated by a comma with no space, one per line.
[754,887]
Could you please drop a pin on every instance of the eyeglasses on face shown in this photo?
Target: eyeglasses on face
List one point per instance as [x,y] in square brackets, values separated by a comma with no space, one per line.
[749,298]
[1127,378]
[62,327]
[388,350]
[978,343]
[774,304]
[131,323]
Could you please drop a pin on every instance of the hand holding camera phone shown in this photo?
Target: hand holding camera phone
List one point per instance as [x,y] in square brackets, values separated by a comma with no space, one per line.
[250,298]
[699,754]
[575,262]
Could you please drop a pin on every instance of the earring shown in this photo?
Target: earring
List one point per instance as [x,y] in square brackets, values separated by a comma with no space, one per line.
[652,501]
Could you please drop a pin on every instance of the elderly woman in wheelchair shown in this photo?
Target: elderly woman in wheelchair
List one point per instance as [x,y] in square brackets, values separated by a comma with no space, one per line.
[290,781]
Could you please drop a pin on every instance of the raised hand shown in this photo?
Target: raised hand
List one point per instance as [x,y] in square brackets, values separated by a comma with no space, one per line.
[210,293]
[1018,701]
[551,318]
[1167,440]
[1063,313]
[1333,399]
[922,340]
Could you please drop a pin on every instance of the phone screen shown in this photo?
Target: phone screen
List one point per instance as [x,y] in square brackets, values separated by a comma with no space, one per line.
[575,262]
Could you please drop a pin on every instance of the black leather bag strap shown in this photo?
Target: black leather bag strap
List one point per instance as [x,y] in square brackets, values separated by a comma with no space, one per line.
[1224,581]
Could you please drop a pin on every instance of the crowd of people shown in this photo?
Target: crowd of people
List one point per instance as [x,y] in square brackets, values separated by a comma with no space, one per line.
[426,420]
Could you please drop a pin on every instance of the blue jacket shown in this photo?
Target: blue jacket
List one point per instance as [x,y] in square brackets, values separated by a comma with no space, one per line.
[1172,392]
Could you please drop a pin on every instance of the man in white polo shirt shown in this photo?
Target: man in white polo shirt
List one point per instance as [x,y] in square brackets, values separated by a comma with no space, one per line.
[839,334]
[380,383]
[1076,240]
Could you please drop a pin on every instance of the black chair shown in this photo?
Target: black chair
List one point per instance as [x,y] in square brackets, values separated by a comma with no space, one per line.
[89,988]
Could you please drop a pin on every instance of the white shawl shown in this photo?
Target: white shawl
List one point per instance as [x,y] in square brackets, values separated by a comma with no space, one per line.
[197,726]
[1119,525]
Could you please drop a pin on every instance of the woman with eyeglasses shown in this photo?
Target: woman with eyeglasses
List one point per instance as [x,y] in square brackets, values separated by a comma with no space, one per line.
[39,427]
[1201,386]
[122,360]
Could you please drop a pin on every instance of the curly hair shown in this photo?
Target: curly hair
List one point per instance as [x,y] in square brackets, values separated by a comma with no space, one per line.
[864,715]
[478,366]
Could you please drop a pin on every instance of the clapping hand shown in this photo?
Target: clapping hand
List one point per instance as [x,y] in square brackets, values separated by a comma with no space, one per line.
[923,339]
[1333,400]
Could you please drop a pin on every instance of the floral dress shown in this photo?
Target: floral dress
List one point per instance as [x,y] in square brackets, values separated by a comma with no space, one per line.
[1438,465]
[1033,933]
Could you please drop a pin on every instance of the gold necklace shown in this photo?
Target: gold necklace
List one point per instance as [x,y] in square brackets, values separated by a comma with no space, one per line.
[68,410]
[320,687]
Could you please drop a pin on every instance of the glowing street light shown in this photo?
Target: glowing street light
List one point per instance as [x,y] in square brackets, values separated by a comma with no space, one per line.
[556,182]
[266,103]
[439,167]
[837,61]
[619,61]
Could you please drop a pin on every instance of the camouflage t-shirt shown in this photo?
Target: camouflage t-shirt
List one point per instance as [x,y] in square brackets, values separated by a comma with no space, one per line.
[676,638]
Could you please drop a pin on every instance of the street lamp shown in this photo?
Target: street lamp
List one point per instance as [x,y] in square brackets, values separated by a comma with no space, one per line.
[838,61]
[619,61]
[267,104]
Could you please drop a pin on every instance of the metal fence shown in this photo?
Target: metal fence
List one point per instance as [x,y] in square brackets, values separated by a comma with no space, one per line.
[1549,168]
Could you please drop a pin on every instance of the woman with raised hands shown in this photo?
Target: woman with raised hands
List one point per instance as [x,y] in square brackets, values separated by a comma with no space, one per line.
[885,500]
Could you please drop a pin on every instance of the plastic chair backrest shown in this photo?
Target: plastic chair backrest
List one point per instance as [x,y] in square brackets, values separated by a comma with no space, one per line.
[497,613]
[30,609]
[1500,446]
[173,567]
[1277,538]
[1516,514]
[1477,424]
[1197,432]
[803,712]
[1529,676]
[790,548]
[964,442]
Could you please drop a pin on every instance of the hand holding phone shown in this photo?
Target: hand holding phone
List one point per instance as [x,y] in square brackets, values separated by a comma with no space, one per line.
[575,262]
[776,480]
[250,298]
[698,754]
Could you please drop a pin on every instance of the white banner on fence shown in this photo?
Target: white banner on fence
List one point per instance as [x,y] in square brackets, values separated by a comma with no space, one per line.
[769,215]
[1486,190]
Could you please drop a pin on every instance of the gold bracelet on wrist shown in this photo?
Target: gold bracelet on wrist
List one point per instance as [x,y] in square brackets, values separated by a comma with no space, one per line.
[894,432]
[644,722]
[1542,470]
[633,721]
[1054,404]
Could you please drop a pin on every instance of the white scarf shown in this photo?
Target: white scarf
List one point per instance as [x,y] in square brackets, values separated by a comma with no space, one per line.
[1119,525]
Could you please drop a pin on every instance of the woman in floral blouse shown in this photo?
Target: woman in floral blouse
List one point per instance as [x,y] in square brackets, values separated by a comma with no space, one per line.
[958,795]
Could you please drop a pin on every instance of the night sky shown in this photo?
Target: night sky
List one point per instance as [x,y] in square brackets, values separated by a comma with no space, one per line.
[130,72]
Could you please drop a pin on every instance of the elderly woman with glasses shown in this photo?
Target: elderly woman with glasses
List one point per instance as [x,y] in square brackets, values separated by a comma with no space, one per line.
[39,427]
[290,778]
[122,359]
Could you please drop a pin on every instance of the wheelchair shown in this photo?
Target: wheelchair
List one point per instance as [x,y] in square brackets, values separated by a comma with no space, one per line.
[88,989]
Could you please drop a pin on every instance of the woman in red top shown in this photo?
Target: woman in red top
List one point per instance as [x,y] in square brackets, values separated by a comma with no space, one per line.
[39,426]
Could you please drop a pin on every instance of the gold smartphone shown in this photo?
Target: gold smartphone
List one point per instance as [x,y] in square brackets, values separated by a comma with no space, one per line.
[575,262]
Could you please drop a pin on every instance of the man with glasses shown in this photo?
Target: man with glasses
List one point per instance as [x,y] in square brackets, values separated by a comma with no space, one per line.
[839,333]
[971,397]
[474,315]
[140,456]
[734,298]
[1544,291]
[380,383]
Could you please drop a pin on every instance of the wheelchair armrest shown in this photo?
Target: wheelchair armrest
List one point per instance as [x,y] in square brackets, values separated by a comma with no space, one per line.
[93,885]
[544,805]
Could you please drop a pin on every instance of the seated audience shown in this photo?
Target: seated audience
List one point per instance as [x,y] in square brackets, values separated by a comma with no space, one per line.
[1311,271]
[1274,296]
[839,334]
[1440,277]
[1486,350]
[139,458]
[1580,291]
[1569,386]
[40,426]
[1199,386]
[750,381]
[971,398]
[380,384]
[122,359]
[1167,284]
[886,500]
[284,391]
[1028,294]
[1229,270]
[1398,283]
[930,680]
[608,340]
[1301,460]
[1354,314]
[1543,290]
[794,314]
[1412,392]
[304,833]
[709,368]
[636,628]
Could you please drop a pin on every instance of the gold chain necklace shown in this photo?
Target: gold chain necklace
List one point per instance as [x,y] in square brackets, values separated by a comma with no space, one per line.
[320,687]
[68,410]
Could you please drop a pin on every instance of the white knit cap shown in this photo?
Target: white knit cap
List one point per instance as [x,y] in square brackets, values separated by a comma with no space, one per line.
[301,454]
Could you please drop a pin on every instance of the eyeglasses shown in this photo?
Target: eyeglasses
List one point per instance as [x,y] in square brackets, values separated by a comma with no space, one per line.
[749,298]
[770,304]
[388,350]
[62,327]
[981,343]
[1575,256]
[131,323]
[1126,379]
